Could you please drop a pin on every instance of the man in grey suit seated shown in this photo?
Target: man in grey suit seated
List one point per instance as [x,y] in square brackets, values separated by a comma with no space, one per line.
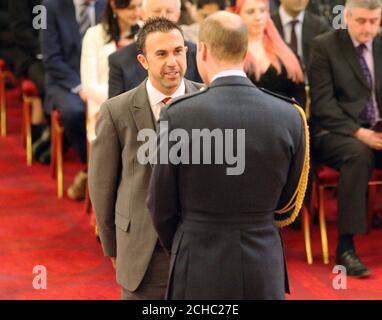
[118,182]
[218,219]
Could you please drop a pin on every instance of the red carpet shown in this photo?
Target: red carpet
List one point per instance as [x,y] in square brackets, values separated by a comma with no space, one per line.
[36,228]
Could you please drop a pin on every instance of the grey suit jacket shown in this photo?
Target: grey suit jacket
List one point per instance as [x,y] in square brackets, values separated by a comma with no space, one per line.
[118,184]
[220,229]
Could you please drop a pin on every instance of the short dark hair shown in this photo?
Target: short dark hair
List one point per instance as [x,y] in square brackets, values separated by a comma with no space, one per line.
[222,4]
[152,25]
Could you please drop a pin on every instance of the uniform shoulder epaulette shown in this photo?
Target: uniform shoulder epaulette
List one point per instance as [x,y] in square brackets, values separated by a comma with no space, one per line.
[187,96]
[287,99]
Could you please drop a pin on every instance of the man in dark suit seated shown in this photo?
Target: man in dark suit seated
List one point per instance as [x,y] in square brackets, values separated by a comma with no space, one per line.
[61,41]
[298,27]
[217,217]
[346,85]
[125,72]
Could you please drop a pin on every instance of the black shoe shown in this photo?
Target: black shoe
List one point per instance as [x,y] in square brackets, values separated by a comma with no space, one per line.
[45,157]
[37,130]
[354,266]
[376,222]
[42,144]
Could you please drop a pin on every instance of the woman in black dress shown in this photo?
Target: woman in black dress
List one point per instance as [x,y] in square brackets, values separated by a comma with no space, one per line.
[270,63]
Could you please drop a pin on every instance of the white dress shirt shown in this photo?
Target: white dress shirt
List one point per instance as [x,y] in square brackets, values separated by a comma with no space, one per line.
[229,73]
[156,97]
[286,20]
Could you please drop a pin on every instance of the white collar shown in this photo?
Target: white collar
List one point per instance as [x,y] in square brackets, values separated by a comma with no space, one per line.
[228,73]
[78,3]
[286,19]
[155,96]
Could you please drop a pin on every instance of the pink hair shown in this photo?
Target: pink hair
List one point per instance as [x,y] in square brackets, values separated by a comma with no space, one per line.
[276,49]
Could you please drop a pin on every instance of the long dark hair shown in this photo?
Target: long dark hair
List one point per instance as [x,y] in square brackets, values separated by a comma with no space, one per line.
[110,23]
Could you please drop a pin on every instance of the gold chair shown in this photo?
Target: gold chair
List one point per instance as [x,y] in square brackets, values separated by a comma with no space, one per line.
[30,95]
[307,237]
[4,75]
[56,152]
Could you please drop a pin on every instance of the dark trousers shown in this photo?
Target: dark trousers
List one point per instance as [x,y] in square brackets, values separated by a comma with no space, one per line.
[154,283]
[355,162]
[72,110]
[35,72]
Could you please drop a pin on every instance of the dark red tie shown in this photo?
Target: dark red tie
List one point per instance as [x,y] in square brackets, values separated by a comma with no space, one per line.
[293,37]
[166,100]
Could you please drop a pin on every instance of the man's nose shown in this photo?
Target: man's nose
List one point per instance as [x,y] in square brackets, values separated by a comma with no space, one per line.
[171,60]
[163,13]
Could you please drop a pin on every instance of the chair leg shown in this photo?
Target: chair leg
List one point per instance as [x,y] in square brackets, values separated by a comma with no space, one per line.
[53,147]
[3,110]
[371,204]
[306,226]
[60,163]
[27,130]
[324,235]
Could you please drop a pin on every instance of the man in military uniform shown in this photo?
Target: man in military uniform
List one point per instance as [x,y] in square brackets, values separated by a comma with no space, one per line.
[203,215]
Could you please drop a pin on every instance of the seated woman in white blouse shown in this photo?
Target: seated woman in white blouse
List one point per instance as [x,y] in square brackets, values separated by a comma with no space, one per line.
[119,24]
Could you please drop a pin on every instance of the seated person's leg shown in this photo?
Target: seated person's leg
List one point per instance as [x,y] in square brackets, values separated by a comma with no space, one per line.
[39,120]
[355,162]
[72,110]
[35,72]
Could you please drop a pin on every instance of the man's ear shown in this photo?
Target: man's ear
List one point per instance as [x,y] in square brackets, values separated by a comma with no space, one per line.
[185,49]
[204,49]
[143,61]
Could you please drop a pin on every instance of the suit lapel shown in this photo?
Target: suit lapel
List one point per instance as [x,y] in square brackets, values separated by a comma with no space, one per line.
[377,54]
[99,6]
[278,24]
[69,13]
[307,29]
[190,87]
[307,33]
[350,55]
[141,109]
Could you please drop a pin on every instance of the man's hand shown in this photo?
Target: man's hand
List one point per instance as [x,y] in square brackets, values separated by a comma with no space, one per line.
[83,95]
[114,262]
[369,137]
